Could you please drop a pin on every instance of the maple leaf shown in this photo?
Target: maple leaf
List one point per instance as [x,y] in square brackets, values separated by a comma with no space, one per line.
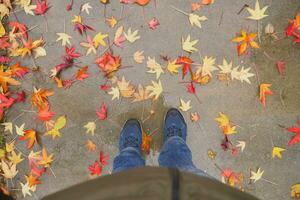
[195,117]
[280,66]
[242,75]
[244,41]
[141,94]
[153,23]
[45,114]
[99,39]
[264,90]
[119,37]
[173,67]
[115,92]
[91,146]
[132,36]
[207,66]
[40,96]
[296,138]
[8,126]
[59,124]
[9,170]
[5,80]
[4,43]
[102,114]
[82,73]
[15,158]
[141,2]
[196,19]
[29,135]
[112,22]
[155,89]
[20,130]
[2,30]
[187,45]
[276,151]
[25,189]
[241,144]
[34,157]
[191,88]
[4,10]
[146,142]
[80,26]
[226,67]
[207,2]
[64,37]
[85,7]
[257,13]
[126,89]
[185,106]
[195,6]
[187,65]
[17,70]
[95,169]
[138,56]
[154,67]
[109,64]
[32,180]
[46,160]
[90,127]
[225,124]
[295,191]
[103,158]
[90,45]
[10,147]
[41,7]
[255,176]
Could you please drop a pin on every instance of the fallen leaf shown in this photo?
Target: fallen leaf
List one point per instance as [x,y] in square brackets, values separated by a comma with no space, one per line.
[146,142]
[25,189]
[226,67]
[90,127]
[138,56]
[257,13]
[126,89]
[255,176]
[112,22]
[191,88]
[41,7]
[187,65]
[102,114]
[15,158]
[9,147]
[90,45]
[59,124]
[225,124]
[242,75]
[103,158]
[90,146]
[109,64]
[173,67]
[155,89]
[65,38]
[207,67]
[46,159]
[9,170]
[141,94]
[280,66]
[185,106]
[207,2]
[29,135]
[295,191]
[32,180]
[8,126]
[296,138]
[241,144]
[211,154]
[99,39]
[263,91]
[45,114]
[195,117]
[153,23]
[86,7]
[95,169]
[276,151]
[269,29]
[115,92]
[20,130]
[188,45]
[132,36]
[154,67]
[195,6]
[82,73]
[196,19]
[244,41]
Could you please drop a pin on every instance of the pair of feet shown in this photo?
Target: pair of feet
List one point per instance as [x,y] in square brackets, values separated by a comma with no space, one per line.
[131,134]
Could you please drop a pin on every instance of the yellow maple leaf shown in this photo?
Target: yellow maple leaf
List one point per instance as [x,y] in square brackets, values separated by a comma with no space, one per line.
[132,36]
[257,13]
[141,94]
[65,38]
[173,67]
[112,22]
[46,160]
[90,127]
[185,106]
[2,30]
[196,19]
[154,67]
[276,151]
[9,147]
[295,191]
[9,169]
[155,89]
[59,124]
[15,158]
[138,56]
[255,176]
[223,120]
[115,92]
[207,67]
[99,39]
[188,45]
[126,89]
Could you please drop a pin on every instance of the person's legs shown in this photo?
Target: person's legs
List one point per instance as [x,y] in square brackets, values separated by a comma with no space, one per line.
[130,147]
[175,152]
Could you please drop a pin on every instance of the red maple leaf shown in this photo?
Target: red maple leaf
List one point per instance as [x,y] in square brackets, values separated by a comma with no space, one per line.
[280,66]
[4,59]
[37,171]
[102,114]
[71,53]
[153,23]
[18,27]
[191,88]
[5,101]
[104,87]
[45,114]
[187,65]
[41,7]
[18,70]
[103,159]
[4,42]
[95,169]
[21,96]
[296,138]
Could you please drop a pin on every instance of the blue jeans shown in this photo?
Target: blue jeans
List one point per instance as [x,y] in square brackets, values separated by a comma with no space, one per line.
[174,154]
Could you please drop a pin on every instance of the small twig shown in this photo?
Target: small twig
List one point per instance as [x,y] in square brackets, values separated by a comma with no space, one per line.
[268,56]
[257,75]
[245,6]
[197,98]
[46,21]
[52,172]
[220,21]
[281,98]
[180,10]
[258,32]
[269,181]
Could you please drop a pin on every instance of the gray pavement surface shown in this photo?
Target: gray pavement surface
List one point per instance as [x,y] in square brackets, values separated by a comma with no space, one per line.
[258,126]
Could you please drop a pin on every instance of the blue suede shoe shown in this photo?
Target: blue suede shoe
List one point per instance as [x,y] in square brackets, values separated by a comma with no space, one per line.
[131,135]
[174,125]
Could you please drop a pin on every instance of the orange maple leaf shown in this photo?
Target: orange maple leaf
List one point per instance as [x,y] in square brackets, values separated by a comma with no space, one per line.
[109,64]
[146,142]
[29,135]
[39,97]
[91,146]
[46,160]
[264,90]
[82,73]
[142,2]
[207,2]
[244,41]
[32,180]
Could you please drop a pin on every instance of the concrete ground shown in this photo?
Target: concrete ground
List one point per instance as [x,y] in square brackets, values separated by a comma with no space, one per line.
[260,127]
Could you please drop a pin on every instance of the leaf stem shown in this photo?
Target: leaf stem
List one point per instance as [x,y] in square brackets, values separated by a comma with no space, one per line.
[178,10]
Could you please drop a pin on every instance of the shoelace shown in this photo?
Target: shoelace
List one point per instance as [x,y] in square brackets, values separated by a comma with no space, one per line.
[131,141]
[174,131]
